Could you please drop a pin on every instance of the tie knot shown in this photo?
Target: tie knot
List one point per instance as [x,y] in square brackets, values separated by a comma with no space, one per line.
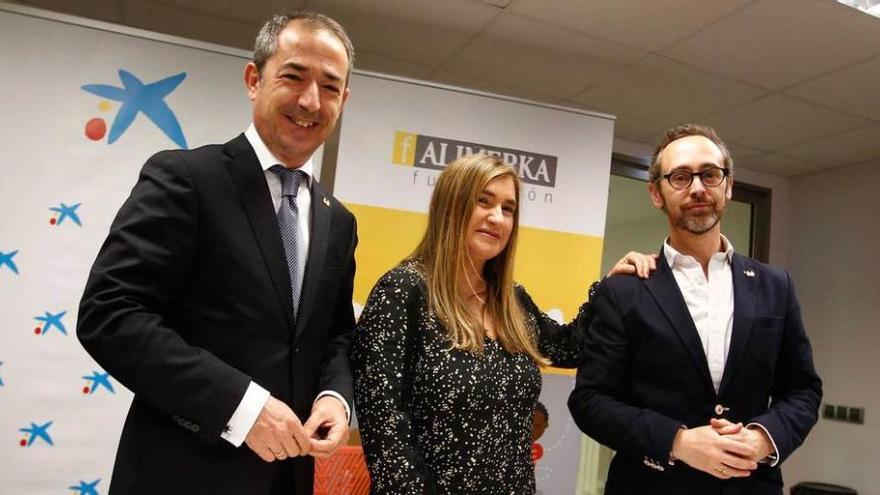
[290,179]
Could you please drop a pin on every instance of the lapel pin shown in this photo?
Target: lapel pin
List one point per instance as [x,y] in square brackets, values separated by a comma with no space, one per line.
[749,273]
[326,202]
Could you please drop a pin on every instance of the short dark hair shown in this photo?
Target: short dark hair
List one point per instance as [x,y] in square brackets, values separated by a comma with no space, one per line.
[682,131]
[541,408]
[266,43]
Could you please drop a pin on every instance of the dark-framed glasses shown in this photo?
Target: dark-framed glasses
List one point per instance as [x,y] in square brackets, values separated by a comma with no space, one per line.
[710,177]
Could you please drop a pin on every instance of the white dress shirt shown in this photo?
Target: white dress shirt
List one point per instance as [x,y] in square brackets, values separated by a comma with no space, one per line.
[709,299]
[255,397]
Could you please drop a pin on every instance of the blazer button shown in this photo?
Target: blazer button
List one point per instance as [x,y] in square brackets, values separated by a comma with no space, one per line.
[195,428]
[719,409]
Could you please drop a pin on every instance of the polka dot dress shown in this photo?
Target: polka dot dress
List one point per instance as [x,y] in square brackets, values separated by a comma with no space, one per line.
[436,420]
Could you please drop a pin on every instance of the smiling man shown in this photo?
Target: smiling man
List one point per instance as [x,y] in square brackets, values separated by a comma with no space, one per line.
[701,377]
[222,295]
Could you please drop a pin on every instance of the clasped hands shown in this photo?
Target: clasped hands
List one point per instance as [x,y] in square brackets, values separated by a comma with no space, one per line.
[278,434]
[723,449]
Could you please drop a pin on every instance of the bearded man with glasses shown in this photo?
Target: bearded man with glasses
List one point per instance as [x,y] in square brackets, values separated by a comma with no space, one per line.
[701,377]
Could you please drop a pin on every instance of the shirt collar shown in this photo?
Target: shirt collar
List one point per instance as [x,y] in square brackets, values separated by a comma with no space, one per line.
[267,159]
[672,255]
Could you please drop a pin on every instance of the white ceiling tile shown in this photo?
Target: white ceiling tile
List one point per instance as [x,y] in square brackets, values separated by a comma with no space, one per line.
[778,121]
[648,25]
[190,24]
[450,15]
[657,89]
[255,11]
[738,151]
[776,165]
[103,10]
[843,149]
[539,58]
[776,43]
[380,63]
[855,89]
[635,129]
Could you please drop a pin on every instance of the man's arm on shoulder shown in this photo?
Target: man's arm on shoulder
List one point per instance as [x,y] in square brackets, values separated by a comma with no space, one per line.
[140,271]
[597,403]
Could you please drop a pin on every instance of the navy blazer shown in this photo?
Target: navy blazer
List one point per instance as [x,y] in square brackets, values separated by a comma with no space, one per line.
[189,300]
[645,375]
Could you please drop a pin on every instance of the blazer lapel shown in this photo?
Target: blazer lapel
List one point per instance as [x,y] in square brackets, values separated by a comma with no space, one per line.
[250,180]
[743,273]
[318,238]
[664,288]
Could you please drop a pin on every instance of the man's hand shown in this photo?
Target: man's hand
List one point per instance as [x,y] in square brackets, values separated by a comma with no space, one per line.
[637,263]
[755,437]
[277,433]
[327,427]
[719,455]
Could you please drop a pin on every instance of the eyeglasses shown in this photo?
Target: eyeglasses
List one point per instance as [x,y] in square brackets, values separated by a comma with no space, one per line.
[710,177]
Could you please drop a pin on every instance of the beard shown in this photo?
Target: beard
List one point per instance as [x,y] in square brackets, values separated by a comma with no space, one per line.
[697,222]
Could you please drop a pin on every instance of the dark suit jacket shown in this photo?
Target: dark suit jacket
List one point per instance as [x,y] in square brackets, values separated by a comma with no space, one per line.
[189,300]
[645,375]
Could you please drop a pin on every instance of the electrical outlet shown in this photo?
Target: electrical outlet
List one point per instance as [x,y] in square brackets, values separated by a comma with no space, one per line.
[856,415]
[846,414]
[828,411]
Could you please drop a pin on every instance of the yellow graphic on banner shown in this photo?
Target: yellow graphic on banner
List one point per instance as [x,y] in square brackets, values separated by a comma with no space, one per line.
[404,152]
[556,268]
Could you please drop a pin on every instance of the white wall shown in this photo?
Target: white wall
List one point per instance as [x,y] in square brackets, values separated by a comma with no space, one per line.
[834,236]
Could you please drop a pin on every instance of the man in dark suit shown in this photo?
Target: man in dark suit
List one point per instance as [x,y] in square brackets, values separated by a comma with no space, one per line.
[222,295]
[701,377]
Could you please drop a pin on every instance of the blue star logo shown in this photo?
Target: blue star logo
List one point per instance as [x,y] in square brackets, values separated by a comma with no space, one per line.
[1,378]
[6,260]
[36,431]
[65,212]
[86,488]
[50,320]
[137,97]
[99,379]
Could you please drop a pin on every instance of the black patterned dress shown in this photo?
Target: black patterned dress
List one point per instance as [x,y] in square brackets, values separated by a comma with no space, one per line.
[441,421]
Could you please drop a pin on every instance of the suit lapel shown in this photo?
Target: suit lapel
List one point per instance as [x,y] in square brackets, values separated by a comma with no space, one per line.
[250,180]
[743,313]
[665,290]
[319,234]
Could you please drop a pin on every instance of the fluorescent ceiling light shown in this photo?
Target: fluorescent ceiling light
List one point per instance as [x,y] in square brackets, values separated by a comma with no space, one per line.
[867,6]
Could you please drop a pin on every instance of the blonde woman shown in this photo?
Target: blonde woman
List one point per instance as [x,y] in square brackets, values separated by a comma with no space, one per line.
[447,349]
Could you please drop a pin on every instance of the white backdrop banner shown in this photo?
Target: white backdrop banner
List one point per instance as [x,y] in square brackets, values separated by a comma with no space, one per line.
[84,105]
[397,136]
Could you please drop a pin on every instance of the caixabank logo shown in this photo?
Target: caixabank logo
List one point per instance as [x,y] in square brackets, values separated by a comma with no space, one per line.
[86,488]
[64,212]
[98,379]
[36,433]
[135,97]
[48,321]
[7,261]
[431,152]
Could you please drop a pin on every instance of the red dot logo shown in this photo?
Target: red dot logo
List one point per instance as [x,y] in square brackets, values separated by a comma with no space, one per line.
[86,390]
[53,221]
[37,331]
[23,442]
[96,129]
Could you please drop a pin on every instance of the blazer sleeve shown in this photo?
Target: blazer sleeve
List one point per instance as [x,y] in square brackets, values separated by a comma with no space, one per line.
[797,388]
[561,343]
[336,372]
[382,356]
[598,402]
[140,270]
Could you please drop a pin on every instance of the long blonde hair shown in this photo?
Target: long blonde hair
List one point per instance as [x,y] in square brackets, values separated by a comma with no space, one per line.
[444,258]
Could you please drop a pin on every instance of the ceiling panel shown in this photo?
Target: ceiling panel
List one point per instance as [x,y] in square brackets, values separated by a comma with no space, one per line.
[453,15]
[776,43]
[379,63]
[777,165]
[855,89]
[255,11]
[777,121]
[657,89]
[630,22]
[843,149]
[539,58]
[634,129]
[189,24]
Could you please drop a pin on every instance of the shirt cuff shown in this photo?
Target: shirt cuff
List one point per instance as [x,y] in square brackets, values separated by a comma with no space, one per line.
[341,399]
[772,459]
[245,415]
